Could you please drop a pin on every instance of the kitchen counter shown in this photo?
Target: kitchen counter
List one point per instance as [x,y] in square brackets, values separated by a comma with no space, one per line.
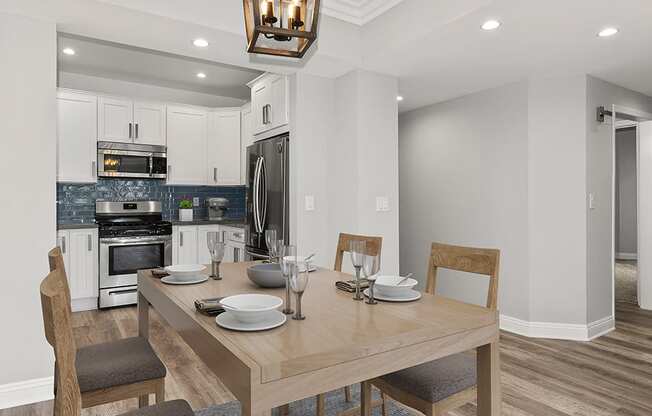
[237,223]
[75,225]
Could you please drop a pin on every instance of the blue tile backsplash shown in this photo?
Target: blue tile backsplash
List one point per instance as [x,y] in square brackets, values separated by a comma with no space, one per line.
[76,202]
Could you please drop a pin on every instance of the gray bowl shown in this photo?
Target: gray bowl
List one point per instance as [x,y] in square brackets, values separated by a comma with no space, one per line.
[266,275]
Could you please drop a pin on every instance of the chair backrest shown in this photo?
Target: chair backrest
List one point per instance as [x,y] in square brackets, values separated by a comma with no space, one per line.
[484,261]
[55,259]
[58,331]
[374,246]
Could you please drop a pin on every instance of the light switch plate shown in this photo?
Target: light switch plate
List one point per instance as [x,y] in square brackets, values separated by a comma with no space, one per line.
[382,204]
[310,203]
[591,201]
[195,201]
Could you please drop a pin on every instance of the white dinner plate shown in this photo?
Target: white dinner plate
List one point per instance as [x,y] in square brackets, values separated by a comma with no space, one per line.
[227,320]
[173,280]
[413,295]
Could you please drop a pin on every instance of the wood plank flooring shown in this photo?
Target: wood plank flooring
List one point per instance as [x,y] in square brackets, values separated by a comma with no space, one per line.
[609,376]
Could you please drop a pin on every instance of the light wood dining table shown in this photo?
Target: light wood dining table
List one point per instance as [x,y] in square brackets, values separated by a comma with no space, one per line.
[342,341]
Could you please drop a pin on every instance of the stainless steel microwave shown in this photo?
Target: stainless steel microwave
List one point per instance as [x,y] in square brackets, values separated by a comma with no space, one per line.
[127,160]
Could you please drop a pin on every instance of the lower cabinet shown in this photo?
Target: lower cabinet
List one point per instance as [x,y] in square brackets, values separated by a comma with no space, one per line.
[80,256]
[189,244]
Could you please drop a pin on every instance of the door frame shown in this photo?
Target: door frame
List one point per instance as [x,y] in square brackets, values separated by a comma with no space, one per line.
[638,116]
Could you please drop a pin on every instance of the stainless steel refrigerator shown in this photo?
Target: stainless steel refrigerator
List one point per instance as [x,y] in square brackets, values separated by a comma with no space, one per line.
[267,193]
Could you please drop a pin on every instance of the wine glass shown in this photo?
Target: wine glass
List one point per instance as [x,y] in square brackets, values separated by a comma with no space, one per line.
[215,243]
[370,267]
[272,244]
[358,249]
[288,266]
[298,283]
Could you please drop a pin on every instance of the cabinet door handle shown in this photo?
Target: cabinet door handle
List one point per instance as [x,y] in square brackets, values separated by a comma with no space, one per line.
[215,175]
[264,111]
[236,254]
[131,136]
[63,243]
[269,113]
[136,130]
[93,169]
[90,242]
[180,238]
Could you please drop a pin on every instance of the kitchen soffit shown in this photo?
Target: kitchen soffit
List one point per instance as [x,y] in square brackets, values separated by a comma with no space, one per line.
[357,12]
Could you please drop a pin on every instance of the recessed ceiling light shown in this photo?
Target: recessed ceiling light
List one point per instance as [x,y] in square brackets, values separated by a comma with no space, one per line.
[491,25]
[68,51]
[200,43]
[607,31]
[399,98]
[201,75]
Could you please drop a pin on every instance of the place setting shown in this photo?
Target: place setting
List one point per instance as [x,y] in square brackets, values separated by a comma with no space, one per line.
[191,274]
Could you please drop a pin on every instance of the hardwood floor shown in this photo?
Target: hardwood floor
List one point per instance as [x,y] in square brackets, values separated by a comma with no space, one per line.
[609,376]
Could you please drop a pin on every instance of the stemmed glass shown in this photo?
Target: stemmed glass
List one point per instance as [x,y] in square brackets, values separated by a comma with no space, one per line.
[370,267]
[357,248]
[298,283]
[215,243]
[272,244]
[288,267]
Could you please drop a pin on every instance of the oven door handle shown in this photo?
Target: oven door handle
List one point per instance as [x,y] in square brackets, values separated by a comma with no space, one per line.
[131,242]
[122,291]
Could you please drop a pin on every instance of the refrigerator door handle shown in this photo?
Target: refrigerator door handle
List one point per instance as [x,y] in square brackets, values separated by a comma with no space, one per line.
[263,189]
[256,196]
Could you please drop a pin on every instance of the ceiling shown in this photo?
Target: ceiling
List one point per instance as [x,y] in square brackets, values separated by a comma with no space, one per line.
[109,60]
[357,12]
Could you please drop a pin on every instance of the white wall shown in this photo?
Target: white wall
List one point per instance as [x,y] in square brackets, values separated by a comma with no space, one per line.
[344,153]
[626,183]
[28,172]
[144,91]
[556,199]
[600,158]
[463,180]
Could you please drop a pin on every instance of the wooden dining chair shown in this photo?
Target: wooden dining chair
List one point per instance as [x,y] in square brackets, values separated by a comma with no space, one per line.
[58,332]
[111,371]
[439,386]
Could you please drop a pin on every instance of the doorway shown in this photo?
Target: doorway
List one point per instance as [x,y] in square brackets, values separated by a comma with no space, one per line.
[625,212]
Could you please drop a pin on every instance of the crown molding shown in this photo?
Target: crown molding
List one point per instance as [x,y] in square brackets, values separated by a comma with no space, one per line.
[358,12]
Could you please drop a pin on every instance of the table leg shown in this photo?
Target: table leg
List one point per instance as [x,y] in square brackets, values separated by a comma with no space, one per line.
[489,395]
[365,398]
[143,316]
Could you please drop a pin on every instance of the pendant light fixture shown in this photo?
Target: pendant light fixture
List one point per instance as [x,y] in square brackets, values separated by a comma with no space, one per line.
[281,27]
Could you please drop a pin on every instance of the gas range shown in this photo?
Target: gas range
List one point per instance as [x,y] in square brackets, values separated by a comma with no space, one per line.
[133,236]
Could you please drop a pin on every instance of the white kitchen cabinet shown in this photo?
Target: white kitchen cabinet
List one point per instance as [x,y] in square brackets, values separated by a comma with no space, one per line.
[189,244]
[223,147]
[128,121]
[80,257]
[115,119]
[187,141]
[234,239]
[149,123]
[269,102]
[76,137]
[185,245]
[204,256]
[246,139]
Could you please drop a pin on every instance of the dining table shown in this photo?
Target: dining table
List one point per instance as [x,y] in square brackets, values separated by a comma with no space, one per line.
[341,342]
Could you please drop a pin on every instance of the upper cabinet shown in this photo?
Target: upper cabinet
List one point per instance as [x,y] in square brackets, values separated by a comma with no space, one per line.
[269,102]
[128,121]
[187,143]
[246,139]
[76,137]
[223,147]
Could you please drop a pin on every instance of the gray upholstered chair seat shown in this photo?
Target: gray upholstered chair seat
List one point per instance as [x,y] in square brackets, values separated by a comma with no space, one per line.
[171,408]
[121,362]
[436,380]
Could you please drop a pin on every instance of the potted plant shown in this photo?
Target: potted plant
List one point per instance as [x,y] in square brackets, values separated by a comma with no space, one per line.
[185,209]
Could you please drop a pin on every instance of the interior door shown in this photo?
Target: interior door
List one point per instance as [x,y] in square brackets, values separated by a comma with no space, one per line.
[115,119]
[149,123]
[644,152]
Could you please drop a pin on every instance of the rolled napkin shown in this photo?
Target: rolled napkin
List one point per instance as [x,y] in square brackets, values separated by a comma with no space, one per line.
[210,307]
[349,285]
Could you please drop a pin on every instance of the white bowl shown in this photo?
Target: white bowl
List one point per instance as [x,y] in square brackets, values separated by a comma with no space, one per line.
[251,308]
[388,286]
[185,271]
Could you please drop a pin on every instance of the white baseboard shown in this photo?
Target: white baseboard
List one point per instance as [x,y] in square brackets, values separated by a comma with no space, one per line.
[556,330]
[626,256]
[26,392]
[85,304]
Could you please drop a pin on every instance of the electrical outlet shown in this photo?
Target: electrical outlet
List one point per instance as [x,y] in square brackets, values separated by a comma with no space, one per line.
[195,201]
[310,203]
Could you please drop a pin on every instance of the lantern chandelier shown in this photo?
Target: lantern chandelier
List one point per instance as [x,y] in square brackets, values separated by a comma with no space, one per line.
[281,27]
